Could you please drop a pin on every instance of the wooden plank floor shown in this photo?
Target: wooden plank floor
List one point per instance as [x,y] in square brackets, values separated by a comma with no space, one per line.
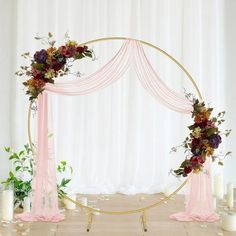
[121,225]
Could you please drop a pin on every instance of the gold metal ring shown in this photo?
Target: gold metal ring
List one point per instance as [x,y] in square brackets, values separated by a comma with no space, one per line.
[165,198]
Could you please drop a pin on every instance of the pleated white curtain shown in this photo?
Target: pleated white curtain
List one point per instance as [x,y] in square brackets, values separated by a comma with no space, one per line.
[122,138]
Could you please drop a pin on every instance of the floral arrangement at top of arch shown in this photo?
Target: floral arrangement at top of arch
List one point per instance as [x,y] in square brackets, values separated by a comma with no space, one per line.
[204,138]
[48,64]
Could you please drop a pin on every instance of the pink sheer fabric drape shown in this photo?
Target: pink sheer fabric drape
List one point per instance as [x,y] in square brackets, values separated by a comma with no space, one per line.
[44,201]
[102,78]
[199,202]
[154,85]
[131,53]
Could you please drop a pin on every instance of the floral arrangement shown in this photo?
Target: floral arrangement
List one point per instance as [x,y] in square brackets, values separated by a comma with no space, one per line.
[48,64]
[204,138]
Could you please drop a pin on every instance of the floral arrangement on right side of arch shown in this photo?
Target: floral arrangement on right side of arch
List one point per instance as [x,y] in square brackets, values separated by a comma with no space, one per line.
[204,138]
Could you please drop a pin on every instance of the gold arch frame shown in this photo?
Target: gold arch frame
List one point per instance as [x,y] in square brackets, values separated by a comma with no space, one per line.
[143,210]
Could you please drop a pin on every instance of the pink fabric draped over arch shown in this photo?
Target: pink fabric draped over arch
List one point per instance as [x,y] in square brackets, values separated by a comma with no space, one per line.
[199,202]
[44,200]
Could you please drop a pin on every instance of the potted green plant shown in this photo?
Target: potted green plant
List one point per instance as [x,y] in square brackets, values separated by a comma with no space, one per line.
[21,175]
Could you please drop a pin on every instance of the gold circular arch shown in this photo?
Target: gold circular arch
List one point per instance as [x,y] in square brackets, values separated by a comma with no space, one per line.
[143,209]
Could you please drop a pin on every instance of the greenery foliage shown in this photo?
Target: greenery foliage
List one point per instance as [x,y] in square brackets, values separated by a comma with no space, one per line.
[22,174]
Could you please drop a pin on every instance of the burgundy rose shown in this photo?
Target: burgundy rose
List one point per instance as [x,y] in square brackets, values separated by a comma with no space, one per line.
[67,51]
[187,170]
[57,65]
[46,67]
[201,160]
[196,160]
[195,142]
[36,74]
[80,49]
[203,124]
[62,49]
[71,50]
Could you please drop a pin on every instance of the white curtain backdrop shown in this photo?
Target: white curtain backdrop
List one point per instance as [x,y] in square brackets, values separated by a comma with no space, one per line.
[122,136]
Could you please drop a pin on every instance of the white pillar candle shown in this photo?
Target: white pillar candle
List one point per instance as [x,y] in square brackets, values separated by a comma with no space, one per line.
[7,205]
[69,204]
[218,186]
[229,222]
[27,204]
[230,195]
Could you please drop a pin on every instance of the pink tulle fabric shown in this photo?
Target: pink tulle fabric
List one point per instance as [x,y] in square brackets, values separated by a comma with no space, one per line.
[44,196]
[44,200]
[130,54]
[199,202]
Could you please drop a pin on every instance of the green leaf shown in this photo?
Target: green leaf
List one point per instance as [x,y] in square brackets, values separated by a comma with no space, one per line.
[11,174]
[178,172]
[49,34]
[214,119]
[228,153]
[17,161]
[67,181]
[88,54]
[71,170]
[64,182]
[227,132]
[191,127]
[18,168]
[13,156]
[63,163]
[38,66]
[184,163]
[58,168]
[7,149]
[79,56]
[210,131]
[21,153]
